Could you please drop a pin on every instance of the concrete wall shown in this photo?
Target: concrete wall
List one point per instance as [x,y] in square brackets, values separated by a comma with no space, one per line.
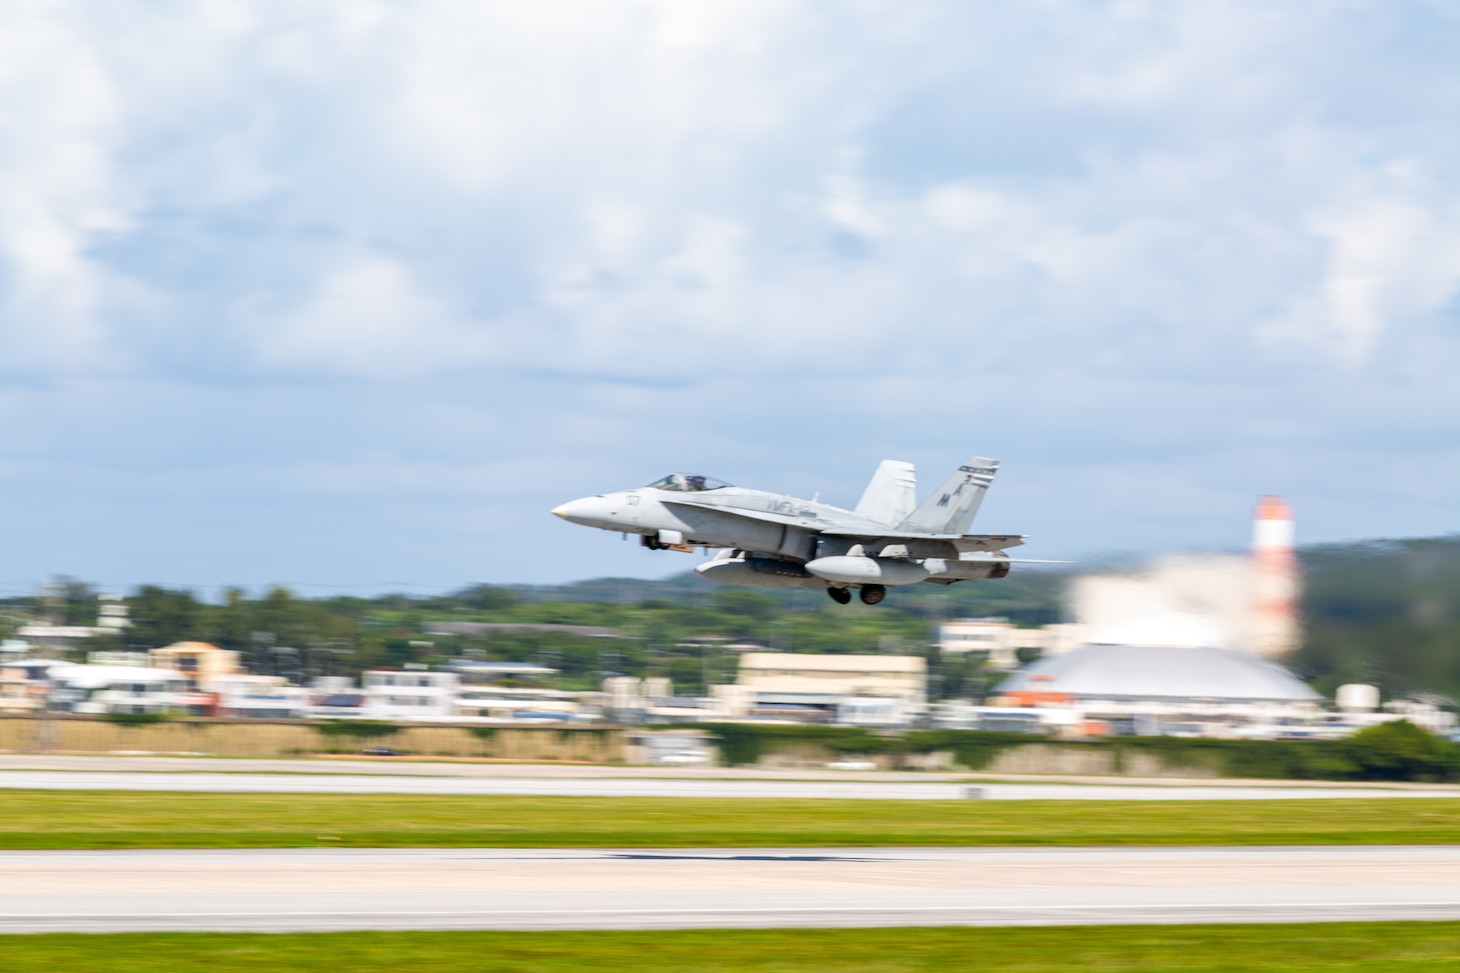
[276,738]
[1095,760]
[1104,760]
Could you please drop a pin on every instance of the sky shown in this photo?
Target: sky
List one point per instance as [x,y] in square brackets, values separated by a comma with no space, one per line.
[347,295]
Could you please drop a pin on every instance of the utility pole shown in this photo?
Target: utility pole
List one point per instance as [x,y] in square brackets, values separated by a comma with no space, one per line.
[262,643]
[54,602]
[45,728]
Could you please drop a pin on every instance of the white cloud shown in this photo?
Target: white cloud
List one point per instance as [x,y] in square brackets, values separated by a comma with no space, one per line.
[368,316]
[666,184]
[1390,259]
[1168,233]
[59,111]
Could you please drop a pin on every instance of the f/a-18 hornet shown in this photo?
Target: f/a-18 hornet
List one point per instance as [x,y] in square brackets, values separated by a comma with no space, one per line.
[782,542]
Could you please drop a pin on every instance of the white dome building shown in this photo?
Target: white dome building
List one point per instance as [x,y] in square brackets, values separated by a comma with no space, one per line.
[1163,689]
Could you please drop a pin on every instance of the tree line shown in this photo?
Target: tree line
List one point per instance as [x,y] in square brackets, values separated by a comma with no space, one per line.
[1382,612]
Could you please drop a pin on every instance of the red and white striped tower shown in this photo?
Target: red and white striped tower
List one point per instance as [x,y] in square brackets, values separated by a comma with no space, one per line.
[1275,601]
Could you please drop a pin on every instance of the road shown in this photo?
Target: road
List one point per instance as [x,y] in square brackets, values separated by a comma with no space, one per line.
[341,783]
[435,767]
[323,889]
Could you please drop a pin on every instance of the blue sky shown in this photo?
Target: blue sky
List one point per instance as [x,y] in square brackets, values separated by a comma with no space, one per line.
[347,295]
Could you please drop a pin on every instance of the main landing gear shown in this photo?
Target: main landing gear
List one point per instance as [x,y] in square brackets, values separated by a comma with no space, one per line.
[871,594]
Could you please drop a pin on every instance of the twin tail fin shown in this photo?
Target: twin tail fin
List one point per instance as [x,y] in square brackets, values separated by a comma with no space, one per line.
[951,508]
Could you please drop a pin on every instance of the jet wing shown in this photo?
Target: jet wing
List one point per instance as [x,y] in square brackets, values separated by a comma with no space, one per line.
[962,543]
[917,544]
[789,520]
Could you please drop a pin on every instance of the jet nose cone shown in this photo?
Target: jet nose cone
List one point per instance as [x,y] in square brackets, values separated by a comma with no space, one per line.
[589,511]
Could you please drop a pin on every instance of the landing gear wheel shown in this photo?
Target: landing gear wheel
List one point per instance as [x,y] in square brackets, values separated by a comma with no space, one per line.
[873,593]
[839,595]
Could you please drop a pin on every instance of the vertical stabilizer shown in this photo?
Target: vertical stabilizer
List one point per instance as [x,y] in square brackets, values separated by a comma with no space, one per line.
[951,507]
[891,494]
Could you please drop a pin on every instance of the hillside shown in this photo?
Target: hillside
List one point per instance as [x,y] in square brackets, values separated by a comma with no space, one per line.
[1383,612]
[1386,612]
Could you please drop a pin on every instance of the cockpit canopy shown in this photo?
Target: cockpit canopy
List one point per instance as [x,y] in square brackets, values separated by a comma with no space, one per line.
[688,483]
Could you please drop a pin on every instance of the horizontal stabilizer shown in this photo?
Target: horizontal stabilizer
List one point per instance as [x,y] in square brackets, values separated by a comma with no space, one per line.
[970,543]
[965,542]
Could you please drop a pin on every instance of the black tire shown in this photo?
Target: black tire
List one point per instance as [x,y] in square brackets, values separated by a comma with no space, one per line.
[839,595]
[873,594]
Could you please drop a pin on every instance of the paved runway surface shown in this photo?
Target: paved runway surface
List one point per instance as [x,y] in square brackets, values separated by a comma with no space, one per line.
[336,783]
[315,889]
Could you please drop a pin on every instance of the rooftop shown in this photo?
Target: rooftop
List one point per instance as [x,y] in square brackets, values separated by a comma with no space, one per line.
[1160,672]
[489,628]
[833,663]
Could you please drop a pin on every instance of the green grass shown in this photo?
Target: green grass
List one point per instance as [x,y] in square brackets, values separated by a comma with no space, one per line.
[131,819]
[1346,947]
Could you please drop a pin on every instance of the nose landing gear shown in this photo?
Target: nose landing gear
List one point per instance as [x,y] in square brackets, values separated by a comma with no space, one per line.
[839,595]
[873,593]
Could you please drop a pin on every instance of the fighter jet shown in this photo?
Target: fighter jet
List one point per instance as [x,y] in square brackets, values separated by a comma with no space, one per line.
[783,542]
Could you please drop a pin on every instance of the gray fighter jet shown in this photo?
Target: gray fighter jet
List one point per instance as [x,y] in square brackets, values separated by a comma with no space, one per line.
[782,542]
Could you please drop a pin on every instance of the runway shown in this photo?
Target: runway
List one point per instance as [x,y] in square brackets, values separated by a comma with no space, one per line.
[560,786]
[347,889]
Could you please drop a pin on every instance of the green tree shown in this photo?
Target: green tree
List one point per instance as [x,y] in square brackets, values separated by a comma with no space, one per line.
[755,606]
[1402,751]
[233,622]
[485,598]
[78,601]
[161,616]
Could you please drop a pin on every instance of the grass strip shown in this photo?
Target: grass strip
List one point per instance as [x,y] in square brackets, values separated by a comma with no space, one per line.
[1393,947]
[46,819]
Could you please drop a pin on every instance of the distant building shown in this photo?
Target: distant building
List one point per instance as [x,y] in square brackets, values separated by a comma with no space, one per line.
[501,703]
[22,690]
[867,689]
[120,689]
[512,628]
[410,694]
[139,660]
[343,704]
[472,670]
[112,614]
[55,639]
[49,638]
[258,697]
[203,664]
[999,640]
[1155,690]
[721,643]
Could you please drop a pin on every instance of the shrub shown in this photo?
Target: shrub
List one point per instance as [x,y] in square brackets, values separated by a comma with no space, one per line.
[747,743]
[136,719]
[974,749]
[1389,751]
[1402,751]
[357,729]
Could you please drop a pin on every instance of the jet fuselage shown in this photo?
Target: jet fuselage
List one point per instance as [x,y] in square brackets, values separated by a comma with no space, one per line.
[782,541]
